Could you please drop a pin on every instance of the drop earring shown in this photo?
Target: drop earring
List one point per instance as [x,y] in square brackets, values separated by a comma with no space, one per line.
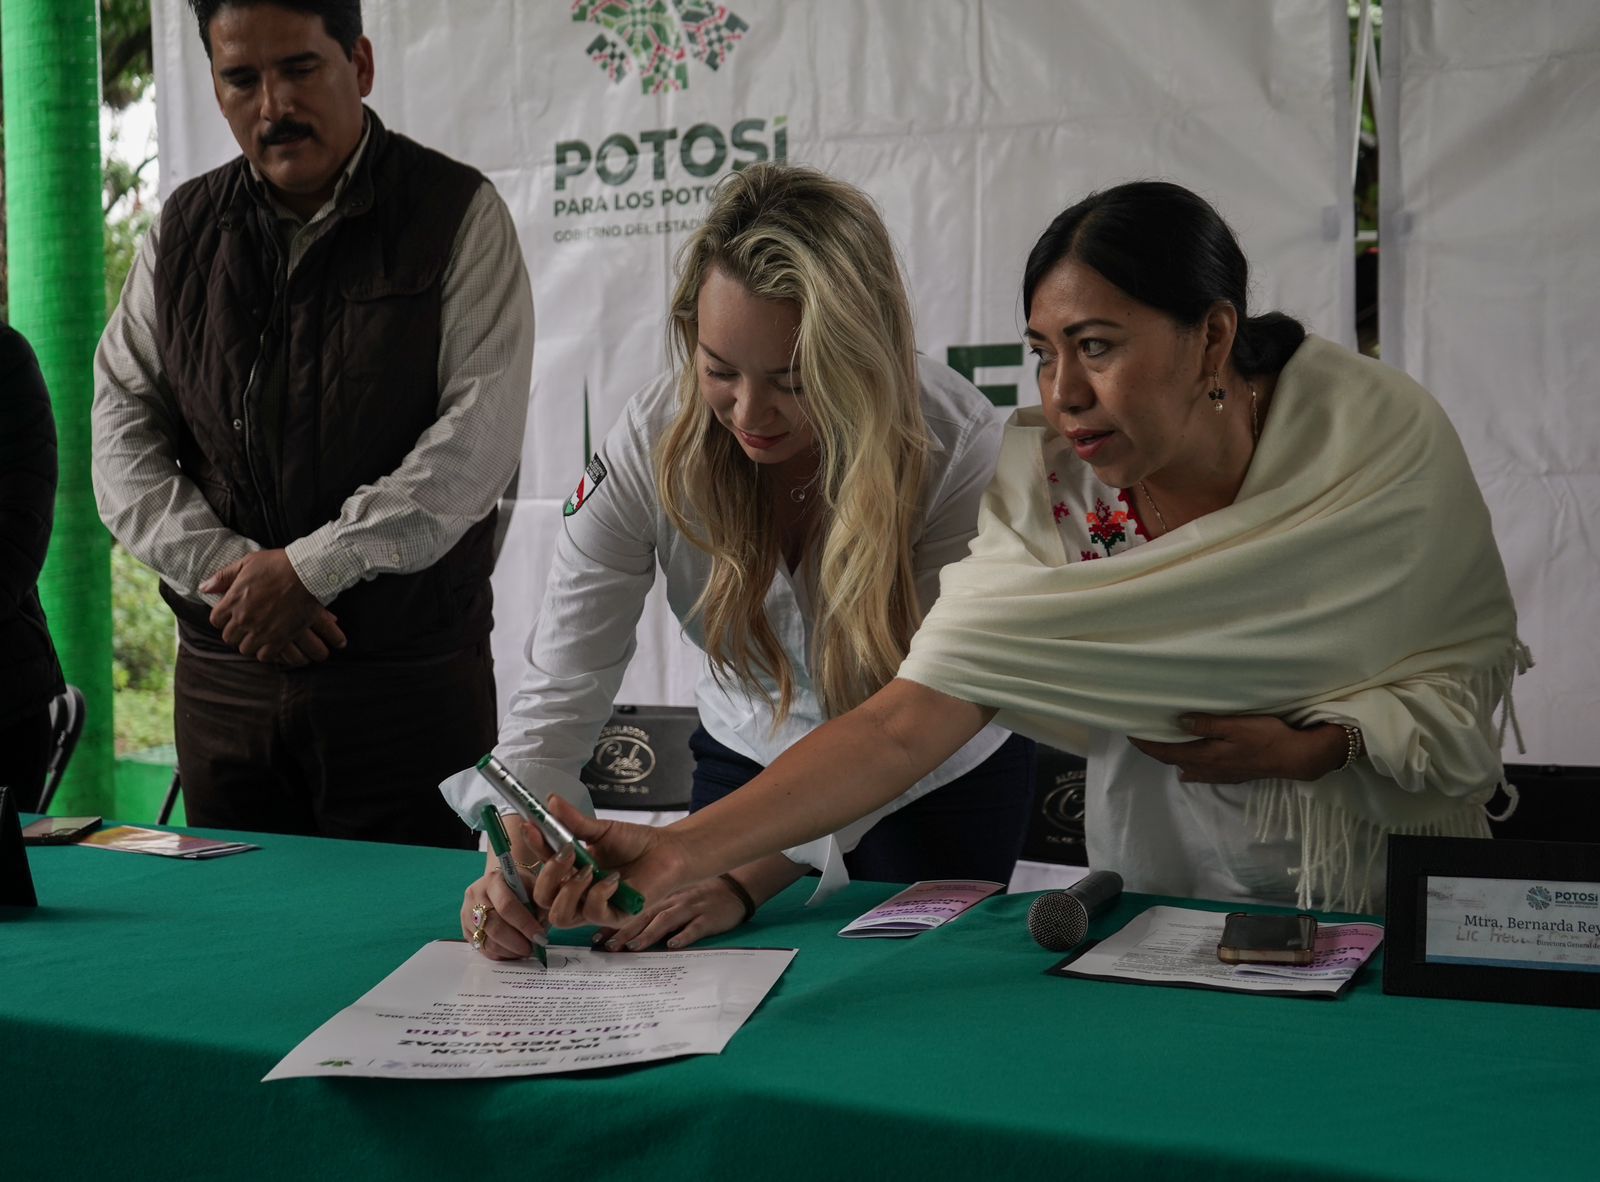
[1218,392]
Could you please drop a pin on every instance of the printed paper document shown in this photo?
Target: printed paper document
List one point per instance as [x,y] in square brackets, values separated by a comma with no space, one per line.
[450,1013]
[1178,946]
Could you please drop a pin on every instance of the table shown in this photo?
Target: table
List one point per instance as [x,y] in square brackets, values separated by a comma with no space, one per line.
[143,1001]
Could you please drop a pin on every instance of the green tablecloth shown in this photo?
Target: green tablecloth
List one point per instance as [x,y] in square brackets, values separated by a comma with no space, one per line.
[143,1001]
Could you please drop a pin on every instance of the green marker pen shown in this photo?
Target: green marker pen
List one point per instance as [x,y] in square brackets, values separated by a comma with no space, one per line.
[557,835]
[501,844]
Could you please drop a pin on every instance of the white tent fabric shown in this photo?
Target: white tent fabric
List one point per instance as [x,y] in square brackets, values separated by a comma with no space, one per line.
[1490,276]
[971,123]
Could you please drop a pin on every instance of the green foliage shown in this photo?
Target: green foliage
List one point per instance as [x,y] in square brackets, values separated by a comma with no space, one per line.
[123,236]
[119,179]
[144,640]
[126,66]
[144,720]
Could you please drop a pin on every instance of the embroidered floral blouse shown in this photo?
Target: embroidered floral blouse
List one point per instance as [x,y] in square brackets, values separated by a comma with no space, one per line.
[1095,520]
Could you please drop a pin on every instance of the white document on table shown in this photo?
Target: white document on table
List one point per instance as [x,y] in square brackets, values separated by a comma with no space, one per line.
[1178,946]
[451,1013]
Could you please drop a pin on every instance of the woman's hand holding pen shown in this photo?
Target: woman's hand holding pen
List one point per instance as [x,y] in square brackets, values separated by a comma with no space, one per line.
[563,894]
[705,908]
[700,909]
[651,860]
[510,930]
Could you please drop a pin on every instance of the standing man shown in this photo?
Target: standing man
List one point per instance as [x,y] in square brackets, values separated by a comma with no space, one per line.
[307,405]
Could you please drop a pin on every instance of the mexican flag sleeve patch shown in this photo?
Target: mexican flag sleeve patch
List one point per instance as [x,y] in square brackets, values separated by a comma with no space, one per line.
[593,473]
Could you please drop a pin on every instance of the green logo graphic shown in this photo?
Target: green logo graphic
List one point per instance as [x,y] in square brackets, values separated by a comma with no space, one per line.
[657,37]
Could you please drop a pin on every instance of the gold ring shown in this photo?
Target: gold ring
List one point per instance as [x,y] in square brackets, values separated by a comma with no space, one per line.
[533,869]
[480,916]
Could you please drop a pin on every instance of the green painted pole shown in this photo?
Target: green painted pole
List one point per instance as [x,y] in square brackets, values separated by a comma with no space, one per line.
[55,243]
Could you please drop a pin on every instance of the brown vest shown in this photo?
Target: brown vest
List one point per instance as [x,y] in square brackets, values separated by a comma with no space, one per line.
[356,330]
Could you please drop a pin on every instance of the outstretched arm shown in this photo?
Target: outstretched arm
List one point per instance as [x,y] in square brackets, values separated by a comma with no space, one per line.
[843,770]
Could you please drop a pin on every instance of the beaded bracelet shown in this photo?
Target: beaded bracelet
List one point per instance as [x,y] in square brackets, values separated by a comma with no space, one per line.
[1353,745]
[741,894]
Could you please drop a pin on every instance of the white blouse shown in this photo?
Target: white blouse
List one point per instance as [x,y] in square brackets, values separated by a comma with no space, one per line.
[614,539]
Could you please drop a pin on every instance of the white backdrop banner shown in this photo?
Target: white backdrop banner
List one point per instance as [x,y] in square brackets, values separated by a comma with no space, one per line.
[605,123]
[1490,271]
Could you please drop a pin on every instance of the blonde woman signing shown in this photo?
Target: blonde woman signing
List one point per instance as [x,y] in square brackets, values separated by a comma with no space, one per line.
[800,481]
[1262,557]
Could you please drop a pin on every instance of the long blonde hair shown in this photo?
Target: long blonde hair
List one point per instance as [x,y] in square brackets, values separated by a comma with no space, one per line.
[793,233]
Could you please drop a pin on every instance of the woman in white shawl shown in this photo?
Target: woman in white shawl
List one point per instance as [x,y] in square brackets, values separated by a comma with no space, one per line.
[1246,572]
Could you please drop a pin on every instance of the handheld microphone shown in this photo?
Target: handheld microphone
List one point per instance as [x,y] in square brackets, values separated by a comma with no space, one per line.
[1060,919]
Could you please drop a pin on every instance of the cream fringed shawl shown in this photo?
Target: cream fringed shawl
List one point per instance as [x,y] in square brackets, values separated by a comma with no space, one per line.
[1354,579]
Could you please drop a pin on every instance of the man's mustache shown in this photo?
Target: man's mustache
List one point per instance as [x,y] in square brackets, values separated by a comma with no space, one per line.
[283,132]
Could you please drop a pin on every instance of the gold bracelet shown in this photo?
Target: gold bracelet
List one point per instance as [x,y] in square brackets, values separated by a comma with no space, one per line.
[741,894]
[1353,745]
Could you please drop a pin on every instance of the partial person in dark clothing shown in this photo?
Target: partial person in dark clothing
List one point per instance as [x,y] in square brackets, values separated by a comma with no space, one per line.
[30,675]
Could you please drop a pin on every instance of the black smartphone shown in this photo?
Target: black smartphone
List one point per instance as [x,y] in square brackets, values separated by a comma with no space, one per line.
[58,830]
[1251,938]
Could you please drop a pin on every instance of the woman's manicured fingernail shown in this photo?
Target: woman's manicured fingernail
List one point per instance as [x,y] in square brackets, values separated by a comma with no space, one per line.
[613,945]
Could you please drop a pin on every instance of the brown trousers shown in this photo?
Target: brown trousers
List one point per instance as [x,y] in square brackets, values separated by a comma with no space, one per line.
[339,749]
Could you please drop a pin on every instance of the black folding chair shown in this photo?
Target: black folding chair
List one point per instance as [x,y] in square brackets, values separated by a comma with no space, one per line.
[171,801]
[67,711]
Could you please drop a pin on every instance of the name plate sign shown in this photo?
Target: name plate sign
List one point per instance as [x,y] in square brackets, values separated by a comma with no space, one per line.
[1489,920]
[1513,923]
